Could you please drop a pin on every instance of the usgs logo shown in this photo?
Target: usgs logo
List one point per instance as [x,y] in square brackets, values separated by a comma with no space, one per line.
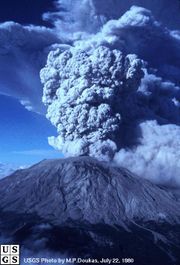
[9,254]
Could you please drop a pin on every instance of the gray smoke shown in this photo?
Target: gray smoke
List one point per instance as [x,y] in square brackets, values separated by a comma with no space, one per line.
[82,89]
[115,95]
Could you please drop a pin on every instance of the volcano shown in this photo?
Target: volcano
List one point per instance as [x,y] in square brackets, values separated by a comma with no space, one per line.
[81,207]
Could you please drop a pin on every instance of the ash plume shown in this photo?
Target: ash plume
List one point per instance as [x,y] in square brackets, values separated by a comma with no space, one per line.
[82,89]
[114,94]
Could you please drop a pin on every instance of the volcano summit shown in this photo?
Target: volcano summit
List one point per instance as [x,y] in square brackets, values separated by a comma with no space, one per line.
[88,208]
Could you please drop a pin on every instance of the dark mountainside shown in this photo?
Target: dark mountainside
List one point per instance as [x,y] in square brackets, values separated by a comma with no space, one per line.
[81,207]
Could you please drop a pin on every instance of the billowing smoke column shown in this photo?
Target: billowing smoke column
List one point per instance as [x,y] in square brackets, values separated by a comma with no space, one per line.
[82,88]
[110,103]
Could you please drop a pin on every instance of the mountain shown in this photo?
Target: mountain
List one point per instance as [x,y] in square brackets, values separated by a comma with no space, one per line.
[85,208]
[6,170]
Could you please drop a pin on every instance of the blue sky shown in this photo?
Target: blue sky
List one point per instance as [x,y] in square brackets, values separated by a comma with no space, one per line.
[24,134]
[25,11]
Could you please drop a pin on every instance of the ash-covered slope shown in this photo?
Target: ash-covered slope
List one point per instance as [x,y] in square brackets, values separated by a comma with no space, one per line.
[90,208]
[6,170]
[85,189]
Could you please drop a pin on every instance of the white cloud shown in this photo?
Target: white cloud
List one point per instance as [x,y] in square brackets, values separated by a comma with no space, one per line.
[91,15]
[157,156]
[23,51]
[37,152]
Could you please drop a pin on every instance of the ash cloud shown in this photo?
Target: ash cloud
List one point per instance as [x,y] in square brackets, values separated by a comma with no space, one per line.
[90,15]
[23,52]
[115,95]
[81,91]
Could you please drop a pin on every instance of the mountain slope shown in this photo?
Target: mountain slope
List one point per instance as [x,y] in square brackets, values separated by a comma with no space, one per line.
[6,170]
[89,203]
[85,189]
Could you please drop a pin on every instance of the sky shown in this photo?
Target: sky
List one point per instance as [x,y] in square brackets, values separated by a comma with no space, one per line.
[24,133]
[25,11]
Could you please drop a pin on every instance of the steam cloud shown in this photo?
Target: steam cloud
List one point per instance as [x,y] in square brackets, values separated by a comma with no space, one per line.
[114,95]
